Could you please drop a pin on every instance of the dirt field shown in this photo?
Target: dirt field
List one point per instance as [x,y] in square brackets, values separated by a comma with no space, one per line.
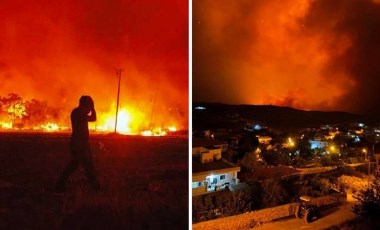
[144,183]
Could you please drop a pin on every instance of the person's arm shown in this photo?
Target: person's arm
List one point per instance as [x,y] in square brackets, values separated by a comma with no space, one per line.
[92,116]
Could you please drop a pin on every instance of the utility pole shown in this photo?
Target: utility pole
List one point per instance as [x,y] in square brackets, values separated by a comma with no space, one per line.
[118,72]
[153,102]
[369,159]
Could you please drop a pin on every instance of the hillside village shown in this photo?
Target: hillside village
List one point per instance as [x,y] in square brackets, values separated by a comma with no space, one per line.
[250,166]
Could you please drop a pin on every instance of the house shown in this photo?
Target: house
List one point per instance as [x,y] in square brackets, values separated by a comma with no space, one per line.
[317,144]
[264,139]
[199,144]
[213,176]
[210,173]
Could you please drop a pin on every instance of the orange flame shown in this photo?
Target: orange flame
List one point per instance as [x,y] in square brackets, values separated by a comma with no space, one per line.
[6,125]
[130,121]
[123,122]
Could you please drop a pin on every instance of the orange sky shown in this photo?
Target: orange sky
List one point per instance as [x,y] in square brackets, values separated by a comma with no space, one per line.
[307,54]
[58,51]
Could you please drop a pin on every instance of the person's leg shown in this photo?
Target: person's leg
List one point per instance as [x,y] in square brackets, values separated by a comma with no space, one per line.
[70,168]
[89,168]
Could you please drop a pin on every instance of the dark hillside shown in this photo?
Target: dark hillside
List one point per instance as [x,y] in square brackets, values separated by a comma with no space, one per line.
[226,116]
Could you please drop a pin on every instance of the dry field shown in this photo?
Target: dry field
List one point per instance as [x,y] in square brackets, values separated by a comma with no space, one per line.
[144,183]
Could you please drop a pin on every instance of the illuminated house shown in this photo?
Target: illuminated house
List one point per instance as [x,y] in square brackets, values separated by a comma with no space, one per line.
[210,173]
[264,139]
[316,144]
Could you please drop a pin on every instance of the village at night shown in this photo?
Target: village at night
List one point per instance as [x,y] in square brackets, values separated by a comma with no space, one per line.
[257,166]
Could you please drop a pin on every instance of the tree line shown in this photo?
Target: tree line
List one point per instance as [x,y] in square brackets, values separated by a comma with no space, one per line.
[21,113]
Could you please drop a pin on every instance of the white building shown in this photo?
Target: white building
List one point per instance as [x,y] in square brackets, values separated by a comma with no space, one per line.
[315,144]
[210,173]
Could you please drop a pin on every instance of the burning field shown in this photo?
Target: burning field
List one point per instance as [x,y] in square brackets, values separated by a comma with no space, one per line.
[50,55]
[144,183]
[128,54]
[19,114]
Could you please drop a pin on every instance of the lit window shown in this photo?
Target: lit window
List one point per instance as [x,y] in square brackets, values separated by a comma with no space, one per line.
[198,184]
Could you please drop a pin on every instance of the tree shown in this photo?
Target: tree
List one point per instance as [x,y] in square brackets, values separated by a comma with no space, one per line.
[14,106]
[2,106]
[250,160]
[341,139]
[248,143]
[273,193]
[271,157]
[221,204]
[331,159]
[368,207]
[305,150]
[37,111]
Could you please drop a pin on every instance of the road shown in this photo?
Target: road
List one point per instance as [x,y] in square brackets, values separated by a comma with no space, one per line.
[330,217]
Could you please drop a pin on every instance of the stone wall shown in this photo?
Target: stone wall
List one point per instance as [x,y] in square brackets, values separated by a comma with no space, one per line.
[251,219]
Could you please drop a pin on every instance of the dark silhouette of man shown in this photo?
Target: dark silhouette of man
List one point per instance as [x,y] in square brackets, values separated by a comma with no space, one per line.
[79,144]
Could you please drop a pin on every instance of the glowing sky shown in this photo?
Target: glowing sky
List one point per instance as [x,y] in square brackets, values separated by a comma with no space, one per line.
[307,54]
[59,50]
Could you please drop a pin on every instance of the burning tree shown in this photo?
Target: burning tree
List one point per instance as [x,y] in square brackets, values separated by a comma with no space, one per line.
[18,113]
[14,107]
[36,111]
[15,112]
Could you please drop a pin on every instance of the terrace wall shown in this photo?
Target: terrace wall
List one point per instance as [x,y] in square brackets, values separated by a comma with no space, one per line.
[249,220]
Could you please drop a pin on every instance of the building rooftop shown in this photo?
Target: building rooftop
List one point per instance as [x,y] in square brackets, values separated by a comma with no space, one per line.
[199,167]
[203,142]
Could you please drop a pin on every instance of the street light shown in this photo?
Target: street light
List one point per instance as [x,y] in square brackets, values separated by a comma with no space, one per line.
[332,149]
[364,150]
[291,142]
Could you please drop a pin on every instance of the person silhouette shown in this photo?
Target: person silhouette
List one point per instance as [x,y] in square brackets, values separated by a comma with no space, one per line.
[79,144]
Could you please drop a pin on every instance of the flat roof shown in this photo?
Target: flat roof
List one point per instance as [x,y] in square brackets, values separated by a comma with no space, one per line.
[220,165]
[203,142]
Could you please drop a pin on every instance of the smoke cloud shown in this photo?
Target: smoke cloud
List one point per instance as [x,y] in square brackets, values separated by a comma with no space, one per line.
[58,51]
[315,54]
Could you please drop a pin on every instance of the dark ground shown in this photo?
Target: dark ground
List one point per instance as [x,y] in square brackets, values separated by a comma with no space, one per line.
[144,183]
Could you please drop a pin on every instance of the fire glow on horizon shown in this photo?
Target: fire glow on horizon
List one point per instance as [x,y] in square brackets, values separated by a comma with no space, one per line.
[56,53]
[307,54]
[131,121]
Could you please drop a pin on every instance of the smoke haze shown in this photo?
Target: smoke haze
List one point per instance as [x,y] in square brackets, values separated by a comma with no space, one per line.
[58,51]
[307,54]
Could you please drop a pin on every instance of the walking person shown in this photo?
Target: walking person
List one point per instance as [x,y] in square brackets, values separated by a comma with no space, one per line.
[79,144]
